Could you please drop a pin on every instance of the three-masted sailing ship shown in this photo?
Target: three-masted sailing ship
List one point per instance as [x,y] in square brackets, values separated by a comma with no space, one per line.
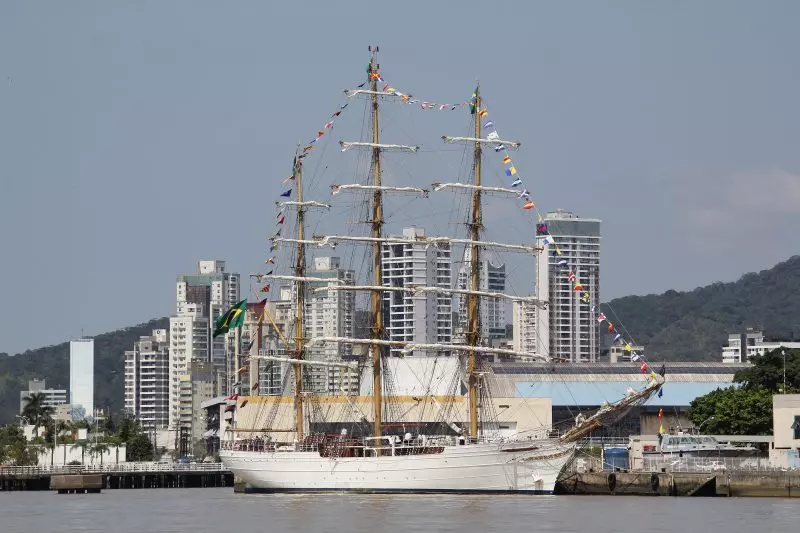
[456,455]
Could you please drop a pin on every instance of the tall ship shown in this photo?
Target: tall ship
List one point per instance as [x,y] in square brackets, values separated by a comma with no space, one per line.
[371,433]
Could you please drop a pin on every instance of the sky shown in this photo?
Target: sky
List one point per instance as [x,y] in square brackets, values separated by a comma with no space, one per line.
[139,137]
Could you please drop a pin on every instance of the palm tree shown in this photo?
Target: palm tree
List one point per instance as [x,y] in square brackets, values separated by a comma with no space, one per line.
[61,427]
[100,448]
[41,449]
[82,444]
[36,410]
[116,442]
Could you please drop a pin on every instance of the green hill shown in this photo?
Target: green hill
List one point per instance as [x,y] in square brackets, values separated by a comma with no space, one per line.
[694,325]
[52,364]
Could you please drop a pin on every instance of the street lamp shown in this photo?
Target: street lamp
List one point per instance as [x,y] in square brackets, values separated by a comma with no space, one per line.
[783,352]
[704,421]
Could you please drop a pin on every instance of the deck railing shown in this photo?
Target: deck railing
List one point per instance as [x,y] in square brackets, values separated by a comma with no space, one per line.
[710,464]
[132,467]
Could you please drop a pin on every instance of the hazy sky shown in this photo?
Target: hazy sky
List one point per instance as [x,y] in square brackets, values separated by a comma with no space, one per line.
[131,133]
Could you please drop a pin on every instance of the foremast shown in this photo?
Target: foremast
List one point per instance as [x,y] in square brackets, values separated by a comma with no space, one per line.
[300,285]
[377,229]
[473,325]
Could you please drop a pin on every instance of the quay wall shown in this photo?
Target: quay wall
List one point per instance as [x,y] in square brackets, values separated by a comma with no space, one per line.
[735,484]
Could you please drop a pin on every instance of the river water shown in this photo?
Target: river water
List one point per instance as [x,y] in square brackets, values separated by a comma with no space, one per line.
[222,511]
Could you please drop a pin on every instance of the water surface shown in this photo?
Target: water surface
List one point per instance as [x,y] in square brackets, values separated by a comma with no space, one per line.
[222,511]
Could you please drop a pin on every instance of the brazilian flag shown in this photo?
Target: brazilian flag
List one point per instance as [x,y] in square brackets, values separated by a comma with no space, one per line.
[473,103]
[233,318]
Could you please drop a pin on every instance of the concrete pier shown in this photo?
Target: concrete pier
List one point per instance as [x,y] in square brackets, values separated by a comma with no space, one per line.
[77,484]
[739,484]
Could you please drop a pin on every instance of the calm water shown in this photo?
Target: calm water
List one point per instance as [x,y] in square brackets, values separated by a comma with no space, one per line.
[221,511]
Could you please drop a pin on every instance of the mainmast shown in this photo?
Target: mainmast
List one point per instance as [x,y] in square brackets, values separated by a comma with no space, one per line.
[377,226]
[473,325]
[300,269]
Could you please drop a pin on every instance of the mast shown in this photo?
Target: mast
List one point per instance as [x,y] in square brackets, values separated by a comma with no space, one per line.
[377,223]
[473,326]
[301,303]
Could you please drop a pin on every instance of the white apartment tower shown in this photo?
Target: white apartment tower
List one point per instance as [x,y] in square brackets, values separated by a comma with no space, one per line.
[421,317]
[268,375]
[568,326]
[491,278]
[523,323]
[147,380]
[81,375]
[330,314]
[200,299]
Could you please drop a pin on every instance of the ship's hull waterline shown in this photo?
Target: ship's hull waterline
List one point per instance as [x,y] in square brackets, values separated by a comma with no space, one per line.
[531,468]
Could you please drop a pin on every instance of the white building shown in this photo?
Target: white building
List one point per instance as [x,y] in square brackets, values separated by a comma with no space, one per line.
[753,343]
[491,278]
[618,354]
[216,290]
[330,314]
[189,336]
[200,299]
[147,380]
[420,317]
[81,375]
[265,378]
[523,324]
[567,326]
[785,452]
[52,397]
[327,313]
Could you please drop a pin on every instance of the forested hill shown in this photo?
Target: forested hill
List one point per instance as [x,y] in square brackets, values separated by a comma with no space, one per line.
[52,364]
[694,325]
[685,326]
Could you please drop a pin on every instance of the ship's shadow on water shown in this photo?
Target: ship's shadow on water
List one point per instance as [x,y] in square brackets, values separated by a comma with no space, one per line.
[222,511]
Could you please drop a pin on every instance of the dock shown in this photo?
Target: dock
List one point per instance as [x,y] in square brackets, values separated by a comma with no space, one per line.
[775,483]
[93,478]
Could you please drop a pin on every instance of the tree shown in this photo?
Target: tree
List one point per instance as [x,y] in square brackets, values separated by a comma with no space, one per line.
[37,411]
[767,371]
[63,426]
[746,408]
[99,449]
[116,442]
[14,447]
[140,448]
[734,411]
[83,445]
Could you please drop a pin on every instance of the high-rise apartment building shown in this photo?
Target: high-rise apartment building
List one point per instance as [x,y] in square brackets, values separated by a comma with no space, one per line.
[523,324]
[568,326]
[491,278]
[189,337]
[147,380]
[326,314]
[330,314]
[81,375]
[200,299]
[275,326]
[416,317]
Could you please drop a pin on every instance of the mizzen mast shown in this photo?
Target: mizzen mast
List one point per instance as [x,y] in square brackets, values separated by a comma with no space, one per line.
[300,284]
[377,228]
[473,325]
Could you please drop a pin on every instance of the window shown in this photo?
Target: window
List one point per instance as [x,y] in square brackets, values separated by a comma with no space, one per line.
[796,428]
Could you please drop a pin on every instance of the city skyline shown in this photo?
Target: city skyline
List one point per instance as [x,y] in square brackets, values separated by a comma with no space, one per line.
[618,119]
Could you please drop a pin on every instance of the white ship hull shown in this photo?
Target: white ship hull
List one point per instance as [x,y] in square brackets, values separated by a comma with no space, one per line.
[522,467]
